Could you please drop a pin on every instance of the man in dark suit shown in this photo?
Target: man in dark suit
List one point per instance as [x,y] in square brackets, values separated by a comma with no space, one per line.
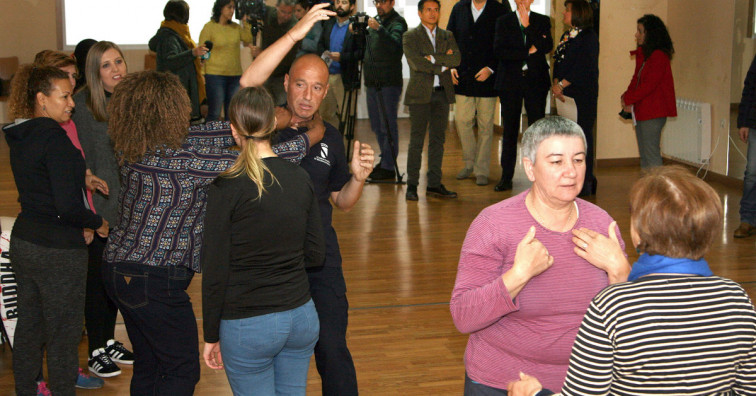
[471,22]
[430,53]
[523,38]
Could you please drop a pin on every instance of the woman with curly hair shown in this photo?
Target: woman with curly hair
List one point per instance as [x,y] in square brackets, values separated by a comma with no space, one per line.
[154,250]
[651,93]
[262,230]
[223,69]
[48,249]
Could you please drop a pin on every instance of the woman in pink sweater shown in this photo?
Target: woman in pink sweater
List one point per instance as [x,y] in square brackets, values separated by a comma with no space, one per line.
[531,264]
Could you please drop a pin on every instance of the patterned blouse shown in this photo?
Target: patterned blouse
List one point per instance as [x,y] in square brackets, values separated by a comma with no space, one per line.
[163,197]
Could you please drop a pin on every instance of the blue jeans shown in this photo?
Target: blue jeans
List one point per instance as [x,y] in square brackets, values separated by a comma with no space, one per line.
[220,90]
[748,202]
[161,325]
[270,354]
[378,124]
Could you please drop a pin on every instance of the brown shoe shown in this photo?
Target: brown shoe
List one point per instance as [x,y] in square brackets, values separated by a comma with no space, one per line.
[744,230]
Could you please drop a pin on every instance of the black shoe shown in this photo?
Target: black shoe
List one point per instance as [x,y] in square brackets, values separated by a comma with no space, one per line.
[440,192]
[503,185]
[382,174]
[411,194]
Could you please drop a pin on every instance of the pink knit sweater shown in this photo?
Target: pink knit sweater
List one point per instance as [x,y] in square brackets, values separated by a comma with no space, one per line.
[534,333]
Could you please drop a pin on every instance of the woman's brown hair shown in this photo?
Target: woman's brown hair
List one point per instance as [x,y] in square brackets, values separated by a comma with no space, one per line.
[27,82]
[674,213]
[54,59]
[149,110]
[252,114]
[582,14]
[97,101]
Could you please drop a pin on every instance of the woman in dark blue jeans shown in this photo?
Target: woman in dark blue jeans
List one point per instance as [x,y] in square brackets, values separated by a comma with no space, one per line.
[153,252]
[262,229]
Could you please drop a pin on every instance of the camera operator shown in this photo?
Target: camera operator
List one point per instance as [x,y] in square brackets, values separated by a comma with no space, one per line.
[278,21]
[338,48]
[383,76]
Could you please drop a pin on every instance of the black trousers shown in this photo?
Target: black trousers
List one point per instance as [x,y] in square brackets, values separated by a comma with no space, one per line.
[511,110]
[51,285]
[332,357]
[586,109]
[161,325]
[99,310]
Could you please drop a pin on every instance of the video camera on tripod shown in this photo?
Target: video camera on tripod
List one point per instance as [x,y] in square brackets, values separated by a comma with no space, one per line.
[255,10]
[359,23]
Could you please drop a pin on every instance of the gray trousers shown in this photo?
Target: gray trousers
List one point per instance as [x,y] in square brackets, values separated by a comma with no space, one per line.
[432,117]
[648,134]
[51,286]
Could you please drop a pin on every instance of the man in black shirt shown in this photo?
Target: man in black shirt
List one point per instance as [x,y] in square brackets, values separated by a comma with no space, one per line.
[306,85]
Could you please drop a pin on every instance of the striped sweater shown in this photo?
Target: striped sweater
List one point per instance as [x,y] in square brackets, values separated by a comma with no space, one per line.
[682,335]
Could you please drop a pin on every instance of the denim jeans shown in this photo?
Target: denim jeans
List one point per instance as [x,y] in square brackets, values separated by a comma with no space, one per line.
[748,202]
[220,90]
[270,354]
[161,325]
[378,124]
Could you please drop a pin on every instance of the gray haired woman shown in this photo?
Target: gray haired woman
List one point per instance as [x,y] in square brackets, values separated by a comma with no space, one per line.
[530,265]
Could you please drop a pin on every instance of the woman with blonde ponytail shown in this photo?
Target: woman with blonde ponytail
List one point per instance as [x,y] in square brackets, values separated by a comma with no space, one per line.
[262,229]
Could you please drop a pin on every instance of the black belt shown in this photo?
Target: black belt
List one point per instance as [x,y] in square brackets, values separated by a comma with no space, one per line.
[439,88]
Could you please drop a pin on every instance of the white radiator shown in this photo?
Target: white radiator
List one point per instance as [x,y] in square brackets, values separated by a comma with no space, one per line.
[687,137]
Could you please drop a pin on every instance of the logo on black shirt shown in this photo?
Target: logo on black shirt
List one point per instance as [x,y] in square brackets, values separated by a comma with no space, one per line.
[323,156]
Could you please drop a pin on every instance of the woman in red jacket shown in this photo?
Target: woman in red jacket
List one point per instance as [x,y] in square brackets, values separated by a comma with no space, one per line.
[651,93]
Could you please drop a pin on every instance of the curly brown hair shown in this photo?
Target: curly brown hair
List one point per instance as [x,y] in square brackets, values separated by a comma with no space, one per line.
[27,82]
[149,110]
[54,59]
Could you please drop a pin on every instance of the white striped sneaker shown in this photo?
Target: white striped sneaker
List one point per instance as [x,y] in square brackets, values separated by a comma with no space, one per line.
[102,365]
[119,353]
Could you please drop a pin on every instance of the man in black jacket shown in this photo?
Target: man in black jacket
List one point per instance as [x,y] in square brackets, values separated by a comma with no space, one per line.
[523,38]
[472,22]
[747,131]
[383,77]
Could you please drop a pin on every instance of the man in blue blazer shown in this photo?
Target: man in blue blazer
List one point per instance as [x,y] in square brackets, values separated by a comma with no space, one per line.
[430,53]
[522,40]
[471,22]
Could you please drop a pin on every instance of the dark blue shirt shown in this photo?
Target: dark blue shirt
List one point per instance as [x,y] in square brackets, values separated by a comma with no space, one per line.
[328,168]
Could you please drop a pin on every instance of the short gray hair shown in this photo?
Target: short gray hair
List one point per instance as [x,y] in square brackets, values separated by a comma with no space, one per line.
[545,128]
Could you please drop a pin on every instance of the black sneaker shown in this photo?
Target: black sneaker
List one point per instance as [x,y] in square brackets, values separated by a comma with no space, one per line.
[102,365]
[440,192]
[119,353]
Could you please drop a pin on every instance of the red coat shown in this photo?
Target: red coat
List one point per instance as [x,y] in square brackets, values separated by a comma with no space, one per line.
[653,92]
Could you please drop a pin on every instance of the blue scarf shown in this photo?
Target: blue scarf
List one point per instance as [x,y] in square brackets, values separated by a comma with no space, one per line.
[648,264]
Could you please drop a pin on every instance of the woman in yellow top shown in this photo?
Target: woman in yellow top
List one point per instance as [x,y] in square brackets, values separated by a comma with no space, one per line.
[223,68]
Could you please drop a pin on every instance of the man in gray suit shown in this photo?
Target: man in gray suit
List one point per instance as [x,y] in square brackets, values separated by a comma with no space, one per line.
[430,53]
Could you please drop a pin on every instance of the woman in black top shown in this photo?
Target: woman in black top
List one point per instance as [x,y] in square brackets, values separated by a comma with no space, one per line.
[262,228]
[48,250]
[576,76]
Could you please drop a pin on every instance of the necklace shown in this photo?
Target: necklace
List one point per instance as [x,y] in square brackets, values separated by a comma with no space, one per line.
[540,219]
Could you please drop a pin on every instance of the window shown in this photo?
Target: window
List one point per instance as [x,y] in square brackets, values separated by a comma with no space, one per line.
[130,24]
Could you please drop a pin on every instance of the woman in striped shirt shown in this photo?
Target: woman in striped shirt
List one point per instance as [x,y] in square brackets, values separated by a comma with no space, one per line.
[674,327]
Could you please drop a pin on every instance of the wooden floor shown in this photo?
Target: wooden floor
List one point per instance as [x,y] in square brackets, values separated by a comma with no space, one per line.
[400,262]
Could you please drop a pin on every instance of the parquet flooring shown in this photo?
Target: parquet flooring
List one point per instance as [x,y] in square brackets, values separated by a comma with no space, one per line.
[400,261]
